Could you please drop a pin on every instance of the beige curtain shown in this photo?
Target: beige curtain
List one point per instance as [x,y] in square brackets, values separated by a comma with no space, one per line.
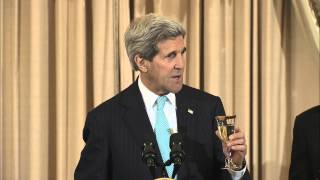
[60,58]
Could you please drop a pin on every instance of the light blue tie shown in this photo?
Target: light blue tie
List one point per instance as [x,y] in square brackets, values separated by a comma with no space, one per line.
[163,133]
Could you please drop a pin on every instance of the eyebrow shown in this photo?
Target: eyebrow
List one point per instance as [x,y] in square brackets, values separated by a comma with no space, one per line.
[182,51]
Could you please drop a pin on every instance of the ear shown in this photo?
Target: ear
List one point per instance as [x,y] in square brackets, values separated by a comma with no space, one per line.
[141,63]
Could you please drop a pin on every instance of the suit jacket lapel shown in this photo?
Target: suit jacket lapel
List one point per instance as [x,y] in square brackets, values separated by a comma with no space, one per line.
[185,111]
[135,115]
[136,118]
[186,119]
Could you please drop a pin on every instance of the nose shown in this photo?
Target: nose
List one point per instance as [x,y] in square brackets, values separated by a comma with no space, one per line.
[179,61]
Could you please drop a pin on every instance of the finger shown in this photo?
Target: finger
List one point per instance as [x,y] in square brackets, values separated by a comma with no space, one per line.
[240,141]
[241,148]
[237,135]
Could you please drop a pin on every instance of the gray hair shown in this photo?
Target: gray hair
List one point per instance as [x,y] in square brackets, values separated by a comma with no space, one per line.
[144,34]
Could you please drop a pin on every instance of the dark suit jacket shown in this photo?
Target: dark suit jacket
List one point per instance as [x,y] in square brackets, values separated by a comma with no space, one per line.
[305,156]
[116,130]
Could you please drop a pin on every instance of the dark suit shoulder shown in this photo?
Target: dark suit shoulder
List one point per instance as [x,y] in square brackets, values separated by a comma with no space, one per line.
[311,114]
[197,94]
[105,106]
[203,100]
[307,120]
[101,117]
[117,100]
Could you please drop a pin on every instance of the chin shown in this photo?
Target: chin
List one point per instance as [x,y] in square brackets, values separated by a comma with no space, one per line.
[176,89]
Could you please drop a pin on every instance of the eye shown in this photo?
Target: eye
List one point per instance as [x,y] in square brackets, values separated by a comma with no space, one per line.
[172,55]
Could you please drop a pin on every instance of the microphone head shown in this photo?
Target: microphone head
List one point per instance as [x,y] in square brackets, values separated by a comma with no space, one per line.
[177,155]
[149,153]
[175,139]
[148,145]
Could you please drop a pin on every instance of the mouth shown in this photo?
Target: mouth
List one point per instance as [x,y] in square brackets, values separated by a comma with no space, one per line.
[176,77]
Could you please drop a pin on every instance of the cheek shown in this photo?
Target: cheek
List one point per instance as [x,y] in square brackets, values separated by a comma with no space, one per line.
[162,72]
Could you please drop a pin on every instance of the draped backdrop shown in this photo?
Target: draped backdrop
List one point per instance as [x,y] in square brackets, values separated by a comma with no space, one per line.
[61,58]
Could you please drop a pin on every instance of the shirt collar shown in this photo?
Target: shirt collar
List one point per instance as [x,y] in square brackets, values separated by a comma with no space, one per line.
[150,97]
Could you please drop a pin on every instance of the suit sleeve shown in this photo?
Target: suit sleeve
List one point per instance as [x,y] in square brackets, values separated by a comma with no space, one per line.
[298,166]
[93,162]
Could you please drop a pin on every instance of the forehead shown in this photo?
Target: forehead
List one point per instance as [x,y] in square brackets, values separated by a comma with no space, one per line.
[171,44]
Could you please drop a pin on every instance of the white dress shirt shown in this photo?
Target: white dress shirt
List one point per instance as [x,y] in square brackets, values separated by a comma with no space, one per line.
[150,102]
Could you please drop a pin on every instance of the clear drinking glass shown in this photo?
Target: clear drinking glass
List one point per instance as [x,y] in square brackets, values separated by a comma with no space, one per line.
[226,128]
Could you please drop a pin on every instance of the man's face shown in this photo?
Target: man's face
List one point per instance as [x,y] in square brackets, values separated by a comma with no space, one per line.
[165,72]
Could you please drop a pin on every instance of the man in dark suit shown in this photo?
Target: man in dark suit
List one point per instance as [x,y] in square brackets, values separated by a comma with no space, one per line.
[116,130]
[305,155]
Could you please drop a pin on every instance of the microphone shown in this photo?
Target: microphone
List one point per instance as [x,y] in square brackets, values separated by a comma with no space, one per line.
[177,155]
[149,156]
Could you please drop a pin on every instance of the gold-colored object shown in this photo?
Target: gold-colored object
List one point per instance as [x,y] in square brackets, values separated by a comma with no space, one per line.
[225,126]
[223,133]
[231,117]
[230,164]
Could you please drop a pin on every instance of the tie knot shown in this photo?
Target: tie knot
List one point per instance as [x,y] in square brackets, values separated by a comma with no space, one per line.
[160,102]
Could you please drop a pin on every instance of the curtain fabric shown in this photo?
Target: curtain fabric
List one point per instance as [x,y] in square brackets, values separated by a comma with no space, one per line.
[61,58]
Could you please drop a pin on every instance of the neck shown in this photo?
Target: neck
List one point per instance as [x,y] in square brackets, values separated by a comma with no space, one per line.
[146,82]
